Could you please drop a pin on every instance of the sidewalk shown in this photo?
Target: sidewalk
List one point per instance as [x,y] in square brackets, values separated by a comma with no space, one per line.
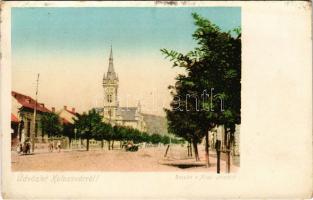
[175,160]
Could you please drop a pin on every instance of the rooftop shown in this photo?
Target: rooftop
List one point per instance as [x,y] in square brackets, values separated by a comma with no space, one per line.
[28,102]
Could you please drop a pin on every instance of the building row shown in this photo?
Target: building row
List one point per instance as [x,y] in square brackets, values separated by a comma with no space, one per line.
[22,118]
[22,122]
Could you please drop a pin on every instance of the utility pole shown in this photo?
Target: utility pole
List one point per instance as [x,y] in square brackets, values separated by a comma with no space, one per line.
[34,119]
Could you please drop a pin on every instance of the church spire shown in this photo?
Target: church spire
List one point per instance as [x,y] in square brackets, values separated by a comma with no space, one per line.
[111,54]
[111,73]
[111,68]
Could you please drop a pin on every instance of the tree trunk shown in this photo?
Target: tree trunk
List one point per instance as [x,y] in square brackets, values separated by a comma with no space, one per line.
[228,160]
[87,145]
[207,149]
[112,144]
[195,147]
[42,136]
[190,149]
[168,146]
[229,144]
[70,142]
[102,144]
[227,152]
[218,154]
[109,145]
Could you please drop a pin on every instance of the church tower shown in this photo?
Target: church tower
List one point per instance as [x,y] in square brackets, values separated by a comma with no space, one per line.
[110,86]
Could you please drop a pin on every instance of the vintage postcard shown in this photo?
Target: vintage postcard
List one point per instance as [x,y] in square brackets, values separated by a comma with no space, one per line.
[156,99]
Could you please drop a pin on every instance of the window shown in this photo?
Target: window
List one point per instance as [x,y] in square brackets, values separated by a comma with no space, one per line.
[109,97]
[28,128]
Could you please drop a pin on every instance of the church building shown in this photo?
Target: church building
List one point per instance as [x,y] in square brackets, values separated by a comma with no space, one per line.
[112,112]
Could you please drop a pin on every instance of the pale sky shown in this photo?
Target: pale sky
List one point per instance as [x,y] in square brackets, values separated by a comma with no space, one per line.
[70,47]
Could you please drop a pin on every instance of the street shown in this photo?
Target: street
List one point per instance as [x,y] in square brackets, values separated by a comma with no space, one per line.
[144,160]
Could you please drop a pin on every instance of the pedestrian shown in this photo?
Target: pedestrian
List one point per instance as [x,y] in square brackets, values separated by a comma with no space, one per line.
[59,146]
[20,148]
[50,146]
[26,147]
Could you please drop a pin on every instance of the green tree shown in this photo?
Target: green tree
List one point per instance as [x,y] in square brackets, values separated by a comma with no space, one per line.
[103,132]
[155,138]
[165,139]
[50,124]
[221,52]
[87,125]
[145,137]
[68,131]
[181,124]
[214,65]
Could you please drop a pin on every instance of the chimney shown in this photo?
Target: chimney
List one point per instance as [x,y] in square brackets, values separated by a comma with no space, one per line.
[42,104]
[65,107]
[73,110]
[53,109]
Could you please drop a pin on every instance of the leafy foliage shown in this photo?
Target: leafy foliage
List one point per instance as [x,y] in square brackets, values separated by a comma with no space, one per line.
[87,125]
[215,65]
[90,126]
[50,124]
